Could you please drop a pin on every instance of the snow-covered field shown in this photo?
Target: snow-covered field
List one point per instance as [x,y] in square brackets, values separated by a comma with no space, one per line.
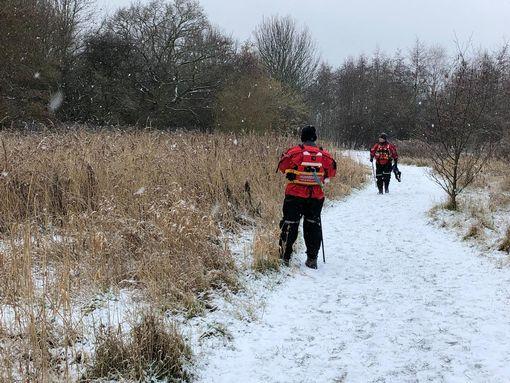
[399,300]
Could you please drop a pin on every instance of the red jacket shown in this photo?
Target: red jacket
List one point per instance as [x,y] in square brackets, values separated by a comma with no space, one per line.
[308,167]
[384,153]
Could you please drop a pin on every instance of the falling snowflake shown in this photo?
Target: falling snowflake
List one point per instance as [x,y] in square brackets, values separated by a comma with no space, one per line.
[56,101]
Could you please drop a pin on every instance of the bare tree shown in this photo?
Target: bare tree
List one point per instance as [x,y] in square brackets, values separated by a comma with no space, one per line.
[159,63]
[321,98]
[462,130]
[39,40]
[176,52]
[73,18]
[288,53]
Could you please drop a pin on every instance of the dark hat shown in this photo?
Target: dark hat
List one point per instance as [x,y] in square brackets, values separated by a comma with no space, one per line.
[308,133]
[384,136]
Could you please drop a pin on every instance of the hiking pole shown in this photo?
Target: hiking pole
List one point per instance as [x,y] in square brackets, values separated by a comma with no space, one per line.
[322,241]
[317,179]
[373,172]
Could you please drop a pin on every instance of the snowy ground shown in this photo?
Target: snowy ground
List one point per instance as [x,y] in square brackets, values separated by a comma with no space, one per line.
[400,300]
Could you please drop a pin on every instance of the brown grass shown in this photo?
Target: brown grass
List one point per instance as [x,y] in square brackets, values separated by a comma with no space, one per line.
[505,242]
[84,212]
[413,152]
[132,208]
[152,352]
[500,172]
[266,251]
[474,231]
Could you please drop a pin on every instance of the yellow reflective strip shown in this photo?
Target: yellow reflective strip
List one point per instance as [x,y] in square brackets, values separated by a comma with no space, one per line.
[304,183]
[303,173]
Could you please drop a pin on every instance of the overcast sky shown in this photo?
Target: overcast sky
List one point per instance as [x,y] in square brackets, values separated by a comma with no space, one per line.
[344,28]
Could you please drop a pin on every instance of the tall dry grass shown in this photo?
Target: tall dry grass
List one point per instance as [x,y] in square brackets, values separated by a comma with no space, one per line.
[82,212]
[413,152]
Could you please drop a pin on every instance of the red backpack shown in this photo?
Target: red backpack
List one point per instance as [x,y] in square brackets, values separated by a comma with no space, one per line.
[309,170]
[383,154]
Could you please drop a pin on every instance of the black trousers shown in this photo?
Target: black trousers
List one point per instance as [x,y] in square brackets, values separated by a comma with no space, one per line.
[294,208]
[383,175]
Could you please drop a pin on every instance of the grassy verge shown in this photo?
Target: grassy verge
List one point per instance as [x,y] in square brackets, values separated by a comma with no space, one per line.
[484,209]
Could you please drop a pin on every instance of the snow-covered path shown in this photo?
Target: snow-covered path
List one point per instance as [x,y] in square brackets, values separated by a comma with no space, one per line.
[398,301]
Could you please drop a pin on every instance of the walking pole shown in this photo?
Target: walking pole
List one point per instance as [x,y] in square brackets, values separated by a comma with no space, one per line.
[373,172]
[320,218]
[322,241]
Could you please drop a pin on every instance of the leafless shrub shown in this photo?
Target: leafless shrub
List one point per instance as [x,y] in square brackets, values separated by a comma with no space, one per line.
[460,136]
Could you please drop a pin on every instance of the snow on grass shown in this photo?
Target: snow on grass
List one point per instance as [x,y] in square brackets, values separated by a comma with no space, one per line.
[482,221]
[399,300]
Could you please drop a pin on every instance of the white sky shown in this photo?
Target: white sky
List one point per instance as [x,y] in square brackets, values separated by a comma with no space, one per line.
[344,28]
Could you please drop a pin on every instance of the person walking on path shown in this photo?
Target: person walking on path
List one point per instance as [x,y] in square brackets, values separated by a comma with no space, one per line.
[386,158]
[307,167]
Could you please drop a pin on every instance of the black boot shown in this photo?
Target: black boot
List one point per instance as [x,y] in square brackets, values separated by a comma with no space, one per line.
[380,185]
[387,184]
[311,263]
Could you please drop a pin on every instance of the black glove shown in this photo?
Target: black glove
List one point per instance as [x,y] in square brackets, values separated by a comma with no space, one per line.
[291,176]
[371,159]
[398,174]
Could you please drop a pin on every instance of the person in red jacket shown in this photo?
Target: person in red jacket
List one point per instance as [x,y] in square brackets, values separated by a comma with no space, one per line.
[307,168]
[386,158]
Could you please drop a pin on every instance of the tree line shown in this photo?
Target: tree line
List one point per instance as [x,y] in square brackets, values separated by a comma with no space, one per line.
[160,64]
[420,95]
[163,64]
